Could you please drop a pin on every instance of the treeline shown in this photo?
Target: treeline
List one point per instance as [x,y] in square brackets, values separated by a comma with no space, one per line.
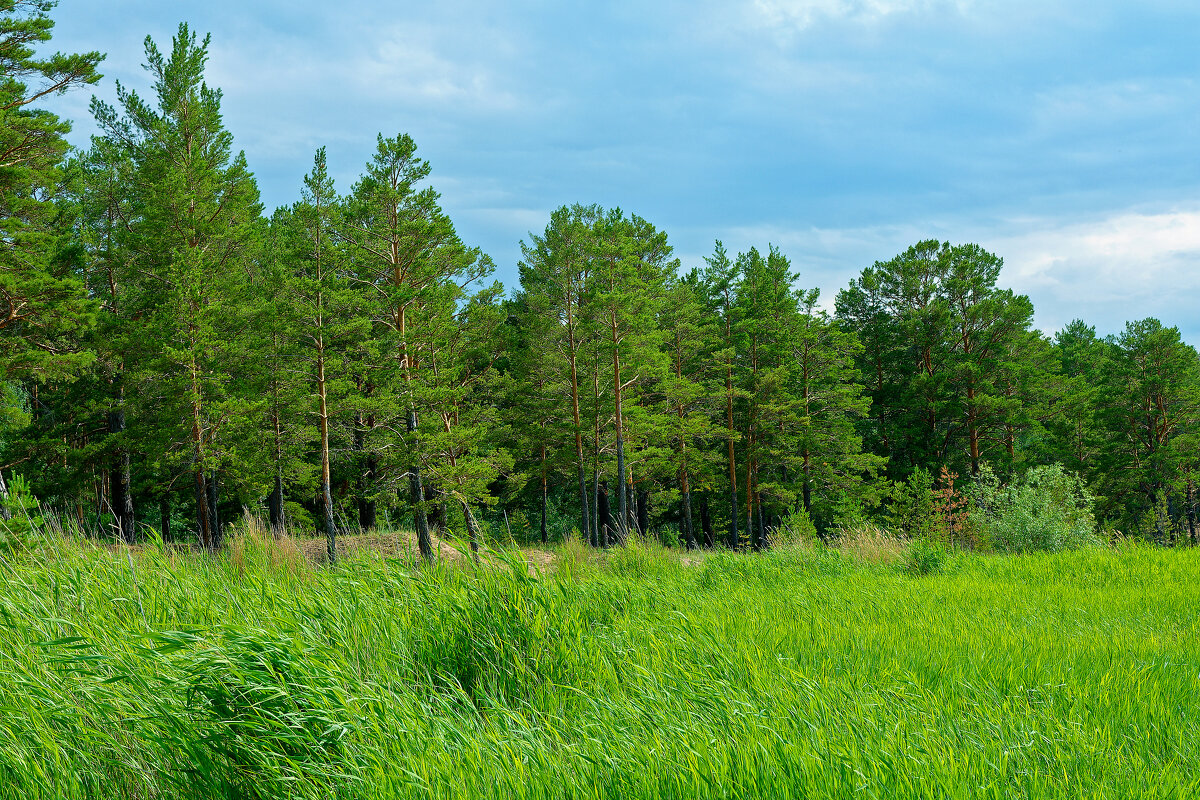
[170,355]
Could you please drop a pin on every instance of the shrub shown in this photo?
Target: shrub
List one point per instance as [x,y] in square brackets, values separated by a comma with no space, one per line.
[20,517]
[794,530]
[1048,509]
[913,510]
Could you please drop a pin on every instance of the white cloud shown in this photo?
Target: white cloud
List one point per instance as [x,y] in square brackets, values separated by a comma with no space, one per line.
[1106,270]
[408,64]
[802,14]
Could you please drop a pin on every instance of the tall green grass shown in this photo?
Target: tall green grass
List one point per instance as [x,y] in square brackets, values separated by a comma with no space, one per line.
[790,674]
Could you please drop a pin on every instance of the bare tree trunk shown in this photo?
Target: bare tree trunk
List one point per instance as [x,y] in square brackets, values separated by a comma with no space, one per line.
[366,506]
[472,528]
[605,516]
[572,346]
[595,532]
[275,505]
[275,500]
[734,540]
[323,412]
[751,534]
[689,533]
[203,513]
[214,517]
[762,522]
[545,491]
[202,518]
[120,478]
[417,496]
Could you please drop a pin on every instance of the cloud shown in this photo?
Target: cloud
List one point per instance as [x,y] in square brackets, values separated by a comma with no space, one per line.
[1110,269]
[1107,269]
[803,14]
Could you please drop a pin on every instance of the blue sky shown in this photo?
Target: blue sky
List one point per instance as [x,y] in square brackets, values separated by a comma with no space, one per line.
[1061,135]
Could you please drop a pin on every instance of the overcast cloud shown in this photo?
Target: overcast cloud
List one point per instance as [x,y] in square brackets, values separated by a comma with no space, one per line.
[1060,135]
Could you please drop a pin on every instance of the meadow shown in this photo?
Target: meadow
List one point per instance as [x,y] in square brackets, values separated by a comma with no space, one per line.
[635,673]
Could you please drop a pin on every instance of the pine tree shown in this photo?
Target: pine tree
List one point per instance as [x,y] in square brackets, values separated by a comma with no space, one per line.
[192,231]
[721,279]
[633,261]
[555,271]
[1150,403]
[412,266]
[832,402]
[986,324]
[322,311]
[463,386]
[1074,437]
[687,388]
[43,303]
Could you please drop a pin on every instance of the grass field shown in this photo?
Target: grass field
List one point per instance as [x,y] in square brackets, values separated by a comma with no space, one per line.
[792,674]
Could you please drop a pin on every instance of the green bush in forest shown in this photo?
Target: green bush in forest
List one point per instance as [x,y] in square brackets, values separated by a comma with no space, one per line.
[1047,509]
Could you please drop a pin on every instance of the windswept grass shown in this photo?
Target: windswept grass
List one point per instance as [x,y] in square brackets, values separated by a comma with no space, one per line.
[804,673]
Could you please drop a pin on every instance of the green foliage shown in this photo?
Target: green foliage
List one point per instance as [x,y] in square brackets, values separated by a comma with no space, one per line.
[925,557]
[913,508]
[796,529]
[21,518]
[44,306]
[1047,509]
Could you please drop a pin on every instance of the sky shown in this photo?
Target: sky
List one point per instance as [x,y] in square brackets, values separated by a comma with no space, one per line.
[1061,135]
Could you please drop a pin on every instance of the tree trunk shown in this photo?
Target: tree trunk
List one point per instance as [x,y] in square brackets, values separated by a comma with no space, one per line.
[5,514]
[164,517]
[630,524]
[202,512]
[734,539]
[605,516]
[203,516]
[973,429]
[643,512]
[417,496]
[595,532]
[472,528]
[366,507]
[751,534]
[101,497]
[762,522]
[706,526]
[214,517]
[545,534]
[275,505]
[1191,513]
[119,480]
[689,533]
[275,499]
[575,416]
[806,483]
[323,418]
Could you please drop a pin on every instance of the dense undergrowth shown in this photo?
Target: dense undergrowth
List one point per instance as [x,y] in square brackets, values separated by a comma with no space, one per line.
[796,673]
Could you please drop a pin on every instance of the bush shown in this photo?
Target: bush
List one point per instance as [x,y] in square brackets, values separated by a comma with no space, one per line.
[20,517]
[795,530]
[1048,509]
[913,510]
